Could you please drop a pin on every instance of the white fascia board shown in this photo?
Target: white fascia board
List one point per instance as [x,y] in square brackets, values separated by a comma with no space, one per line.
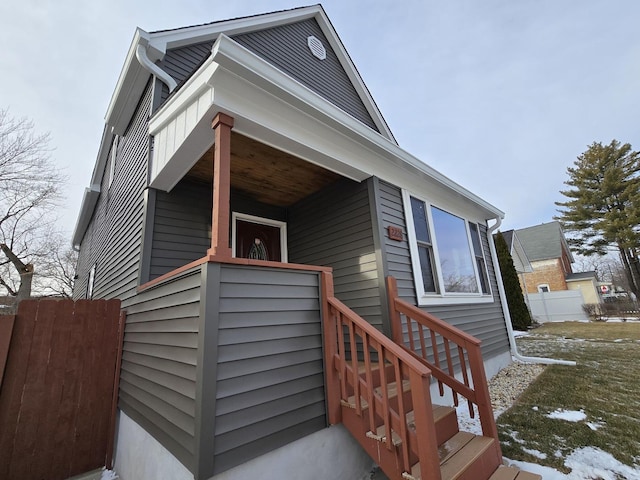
[131,82]
[254,91]
[518,250]
[89,200]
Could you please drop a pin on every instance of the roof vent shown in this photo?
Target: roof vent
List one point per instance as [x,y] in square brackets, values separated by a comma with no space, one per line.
[316,47]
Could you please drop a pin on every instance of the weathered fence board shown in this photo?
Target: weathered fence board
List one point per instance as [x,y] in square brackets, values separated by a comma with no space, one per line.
[57,392]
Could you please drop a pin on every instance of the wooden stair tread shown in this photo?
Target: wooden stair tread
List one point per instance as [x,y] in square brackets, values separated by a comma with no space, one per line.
[513,473]
[392,391]
[439,412]
[461,451]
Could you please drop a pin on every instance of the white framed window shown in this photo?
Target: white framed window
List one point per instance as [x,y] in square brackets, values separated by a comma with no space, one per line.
[446,255]
[543,288]
[112,160]
[91,281]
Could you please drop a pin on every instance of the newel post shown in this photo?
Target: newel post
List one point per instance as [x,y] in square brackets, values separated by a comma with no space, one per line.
[330,337]
[394,315]
[220,221]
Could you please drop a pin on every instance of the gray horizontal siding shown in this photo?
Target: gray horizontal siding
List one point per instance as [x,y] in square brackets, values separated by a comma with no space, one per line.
[158,379]
[181,227]
[181,62]
[482,320]
[114,236]
[286,48]
[270,383]
[333,228]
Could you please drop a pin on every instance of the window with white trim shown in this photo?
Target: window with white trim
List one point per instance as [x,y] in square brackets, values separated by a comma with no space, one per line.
[544,288]
[112,160]
[447,255]
[91,280]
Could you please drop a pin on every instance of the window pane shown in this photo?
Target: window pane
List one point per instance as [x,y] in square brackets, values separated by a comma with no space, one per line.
[426,266]
[475,239]
[456,262]
[482,271]
[420,220]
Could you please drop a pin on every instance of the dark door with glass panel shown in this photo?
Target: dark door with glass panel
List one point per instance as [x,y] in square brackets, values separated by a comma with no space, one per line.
[258,241]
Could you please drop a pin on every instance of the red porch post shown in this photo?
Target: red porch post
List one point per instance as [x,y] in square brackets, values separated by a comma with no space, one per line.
[220,221]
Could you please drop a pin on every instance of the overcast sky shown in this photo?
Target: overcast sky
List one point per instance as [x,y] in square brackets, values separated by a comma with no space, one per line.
[499,95]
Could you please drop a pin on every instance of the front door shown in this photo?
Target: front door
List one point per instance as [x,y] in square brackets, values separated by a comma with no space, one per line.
[259,238]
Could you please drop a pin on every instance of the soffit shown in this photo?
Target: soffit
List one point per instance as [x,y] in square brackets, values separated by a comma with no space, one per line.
[265,173]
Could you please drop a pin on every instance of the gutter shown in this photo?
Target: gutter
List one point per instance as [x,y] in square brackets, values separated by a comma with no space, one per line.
[505,308]
[153,69]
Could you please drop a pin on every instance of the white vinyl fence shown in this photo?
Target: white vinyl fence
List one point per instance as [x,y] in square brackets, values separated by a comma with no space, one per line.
[560,306]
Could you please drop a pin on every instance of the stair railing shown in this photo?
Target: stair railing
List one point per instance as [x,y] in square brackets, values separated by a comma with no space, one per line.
[428,339]
[381,380]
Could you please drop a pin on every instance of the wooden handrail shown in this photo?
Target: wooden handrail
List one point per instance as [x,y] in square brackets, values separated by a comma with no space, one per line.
[368,371]
[467,351]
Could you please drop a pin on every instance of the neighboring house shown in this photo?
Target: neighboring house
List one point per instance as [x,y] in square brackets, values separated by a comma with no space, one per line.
[241,159]
[553,291]
[587,283]
[549,255]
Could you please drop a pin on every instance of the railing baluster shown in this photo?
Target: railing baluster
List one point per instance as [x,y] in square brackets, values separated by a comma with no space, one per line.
[436,358]
[369,382]
[404,436]
[465,377]
[344,393]
[447,351]
[423,348]
[412,346]
[384,392]
[354,368]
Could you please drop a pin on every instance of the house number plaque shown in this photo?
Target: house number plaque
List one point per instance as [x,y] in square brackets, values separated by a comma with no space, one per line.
[395,233]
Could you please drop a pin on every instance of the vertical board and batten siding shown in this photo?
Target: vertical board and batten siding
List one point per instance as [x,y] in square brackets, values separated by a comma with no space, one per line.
[482,320]
[113,238]
[158,376]
[286,47]
[333,228]
[181,227]
[270,381]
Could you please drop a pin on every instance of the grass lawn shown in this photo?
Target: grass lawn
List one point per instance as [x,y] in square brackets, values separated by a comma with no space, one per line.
[604,386]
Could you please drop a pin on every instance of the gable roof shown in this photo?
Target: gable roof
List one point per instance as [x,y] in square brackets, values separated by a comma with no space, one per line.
[302,121]
[544,242]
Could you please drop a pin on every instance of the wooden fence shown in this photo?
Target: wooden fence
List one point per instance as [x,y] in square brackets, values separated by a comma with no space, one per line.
[57,411]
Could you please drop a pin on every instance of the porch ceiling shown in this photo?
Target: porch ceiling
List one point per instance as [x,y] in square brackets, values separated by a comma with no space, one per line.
[265,173]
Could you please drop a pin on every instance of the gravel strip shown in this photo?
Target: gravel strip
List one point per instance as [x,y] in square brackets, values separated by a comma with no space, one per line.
[509,383]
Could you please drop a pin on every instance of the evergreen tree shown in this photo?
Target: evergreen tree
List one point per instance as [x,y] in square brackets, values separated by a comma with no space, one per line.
[603,206]
[520,316]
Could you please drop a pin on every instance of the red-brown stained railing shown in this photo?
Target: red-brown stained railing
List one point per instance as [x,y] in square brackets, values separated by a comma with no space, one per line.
[348,384]
[474,389]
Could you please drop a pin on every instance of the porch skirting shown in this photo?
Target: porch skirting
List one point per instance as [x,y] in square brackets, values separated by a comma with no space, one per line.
[330,453]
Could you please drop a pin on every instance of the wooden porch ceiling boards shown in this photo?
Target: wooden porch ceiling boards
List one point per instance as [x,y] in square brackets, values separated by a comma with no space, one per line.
[265,173]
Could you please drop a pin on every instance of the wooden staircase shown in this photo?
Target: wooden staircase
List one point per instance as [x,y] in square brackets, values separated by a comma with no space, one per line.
[380,389]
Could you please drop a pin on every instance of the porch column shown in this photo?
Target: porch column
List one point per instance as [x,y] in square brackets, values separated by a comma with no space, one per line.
[222,125]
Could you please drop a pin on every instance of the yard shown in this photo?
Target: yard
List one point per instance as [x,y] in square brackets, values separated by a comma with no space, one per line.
[583,419]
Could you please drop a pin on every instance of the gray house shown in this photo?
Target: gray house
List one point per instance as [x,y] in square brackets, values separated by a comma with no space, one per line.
[241,163]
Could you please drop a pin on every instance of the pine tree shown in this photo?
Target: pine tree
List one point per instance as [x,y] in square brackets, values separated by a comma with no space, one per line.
[603,206]
[520,316]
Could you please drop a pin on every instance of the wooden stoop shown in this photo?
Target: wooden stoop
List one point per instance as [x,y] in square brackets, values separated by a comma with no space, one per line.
[463,455]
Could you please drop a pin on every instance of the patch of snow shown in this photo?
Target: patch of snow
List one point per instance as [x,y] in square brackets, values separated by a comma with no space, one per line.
[568,415]
[591,462]
[520,333]
[535,409]
[595,425]
[466,423]
[109,475]
[618,340]
[588,463]
[535,453]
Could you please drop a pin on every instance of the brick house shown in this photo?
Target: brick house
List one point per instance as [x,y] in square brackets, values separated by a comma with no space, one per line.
[549,256]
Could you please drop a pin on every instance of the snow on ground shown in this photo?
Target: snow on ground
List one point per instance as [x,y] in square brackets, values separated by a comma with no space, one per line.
[568,415]
[109,475]
[587,463]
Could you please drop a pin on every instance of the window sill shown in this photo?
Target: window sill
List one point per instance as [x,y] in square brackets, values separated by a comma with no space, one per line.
[429,300]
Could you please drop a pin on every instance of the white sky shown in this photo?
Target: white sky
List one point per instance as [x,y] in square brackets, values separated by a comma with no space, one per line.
[499,95]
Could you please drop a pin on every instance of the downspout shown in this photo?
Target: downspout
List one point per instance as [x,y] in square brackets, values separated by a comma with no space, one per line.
[153,69]
[505,308]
